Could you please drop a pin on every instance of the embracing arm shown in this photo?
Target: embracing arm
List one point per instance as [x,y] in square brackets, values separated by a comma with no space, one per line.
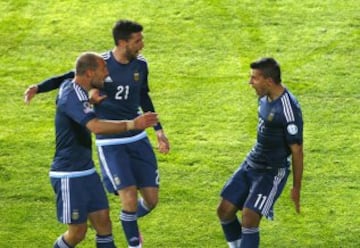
[297,170]
[46,85]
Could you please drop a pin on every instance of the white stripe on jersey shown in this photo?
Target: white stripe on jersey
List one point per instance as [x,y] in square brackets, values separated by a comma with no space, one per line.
[288,112]
[82,96]
[106,55]
[141,57]
[65,196]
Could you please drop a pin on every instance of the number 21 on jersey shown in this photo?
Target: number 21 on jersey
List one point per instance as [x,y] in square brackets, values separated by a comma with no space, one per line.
[122,92]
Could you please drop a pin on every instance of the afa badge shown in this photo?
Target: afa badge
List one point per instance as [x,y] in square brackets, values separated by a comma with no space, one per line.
[75,215]
[117,180]
[271,116]
[136,76]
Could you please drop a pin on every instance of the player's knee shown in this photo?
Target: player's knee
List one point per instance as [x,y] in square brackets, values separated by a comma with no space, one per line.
[226,211]
[151,203]
[221,213]
[250,218]
[76,235]
[104,227]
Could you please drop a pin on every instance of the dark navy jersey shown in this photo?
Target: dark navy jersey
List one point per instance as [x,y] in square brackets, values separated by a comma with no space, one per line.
[123,89]
[280,125]
[73,139]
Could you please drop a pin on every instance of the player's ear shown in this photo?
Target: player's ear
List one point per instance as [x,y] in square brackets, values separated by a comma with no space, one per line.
[269,81]
[122,43]
[90,73]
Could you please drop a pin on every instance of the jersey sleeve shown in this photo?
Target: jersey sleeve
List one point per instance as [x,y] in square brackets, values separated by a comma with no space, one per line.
[80,110]
[293,123]
[146,103]
[54,82]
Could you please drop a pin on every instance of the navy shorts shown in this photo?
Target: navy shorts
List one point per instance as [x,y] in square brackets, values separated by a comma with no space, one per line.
[76,197]
[131,164]
[257,189]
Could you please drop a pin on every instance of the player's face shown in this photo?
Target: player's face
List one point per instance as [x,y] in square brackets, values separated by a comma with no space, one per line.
[99,75]
[134,45]
[258,82]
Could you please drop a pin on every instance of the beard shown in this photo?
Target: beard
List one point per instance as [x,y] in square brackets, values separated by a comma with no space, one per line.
[131,55]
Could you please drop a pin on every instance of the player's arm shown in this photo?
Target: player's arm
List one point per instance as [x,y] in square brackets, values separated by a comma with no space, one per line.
[297,170]
[46,85]
[141,122]
[147,105]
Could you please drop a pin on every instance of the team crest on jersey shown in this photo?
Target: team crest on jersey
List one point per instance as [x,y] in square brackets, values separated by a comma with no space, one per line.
[75,214]
[271,116]
[136,76]
[87,107]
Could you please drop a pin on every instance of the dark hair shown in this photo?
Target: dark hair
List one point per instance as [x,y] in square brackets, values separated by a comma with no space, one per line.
[87,61]
[269,68]
[123,29]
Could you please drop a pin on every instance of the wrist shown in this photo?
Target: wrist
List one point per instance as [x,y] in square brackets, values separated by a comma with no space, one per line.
[130,125]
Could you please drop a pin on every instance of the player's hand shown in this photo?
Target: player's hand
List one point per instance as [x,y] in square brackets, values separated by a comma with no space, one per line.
[295,197]
[146,120]
[164,145]
[95,97]
[29,93]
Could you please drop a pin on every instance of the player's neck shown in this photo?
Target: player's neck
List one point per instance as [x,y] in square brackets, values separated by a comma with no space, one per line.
[120,56]
[275,93]
[82,82]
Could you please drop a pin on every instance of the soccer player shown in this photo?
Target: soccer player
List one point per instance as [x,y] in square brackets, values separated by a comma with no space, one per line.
[127,160]
[79,192]
[260,179]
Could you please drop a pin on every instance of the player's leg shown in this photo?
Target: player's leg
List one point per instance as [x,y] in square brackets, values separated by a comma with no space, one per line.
[71,204]
[148,201]
[101,222]
[128,215]
[250,228]
[145,170]
[233,196]
[266,188]
[99,215]
[118,178]
[230,224]
[73,236]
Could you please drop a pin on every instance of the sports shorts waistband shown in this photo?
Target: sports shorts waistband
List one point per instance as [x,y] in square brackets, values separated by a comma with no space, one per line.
[120,141]
[71,174]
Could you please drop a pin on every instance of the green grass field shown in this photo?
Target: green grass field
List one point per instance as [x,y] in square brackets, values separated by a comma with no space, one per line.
[199,54]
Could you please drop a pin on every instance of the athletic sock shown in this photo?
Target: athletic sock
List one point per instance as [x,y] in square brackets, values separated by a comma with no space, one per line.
[232,231]
[130,227]
[250,237]
[105,241]
[61,243]
[142,209]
